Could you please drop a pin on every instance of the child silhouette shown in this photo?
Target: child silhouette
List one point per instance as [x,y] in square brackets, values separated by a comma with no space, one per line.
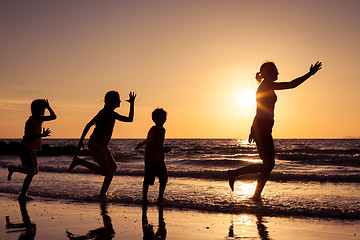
[155,154]
[104,123]
[31,142]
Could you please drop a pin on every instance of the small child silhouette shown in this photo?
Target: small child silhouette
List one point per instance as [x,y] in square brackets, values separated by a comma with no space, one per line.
[155,155]
[31,142]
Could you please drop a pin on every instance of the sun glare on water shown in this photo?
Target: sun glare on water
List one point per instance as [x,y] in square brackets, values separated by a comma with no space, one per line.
[246,99]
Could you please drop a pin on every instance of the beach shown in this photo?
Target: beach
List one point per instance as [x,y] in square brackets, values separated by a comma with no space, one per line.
[243,112]
[57,219]
[313,193]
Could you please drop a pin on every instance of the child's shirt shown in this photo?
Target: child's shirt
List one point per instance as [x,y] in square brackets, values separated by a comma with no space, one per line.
[33,127]
[154,151]
[104,127]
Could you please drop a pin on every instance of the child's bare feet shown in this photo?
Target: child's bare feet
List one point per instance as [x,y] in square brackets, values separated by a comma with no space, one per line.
[145,202]
[24,198]
[74,163]
[231,179]
[10,174]
[103,198]
[256,198]
[160,200]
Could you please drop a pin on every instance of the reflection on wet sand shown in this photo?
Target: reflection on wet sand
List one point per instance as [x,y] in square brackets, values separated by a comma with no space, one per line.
[260,225]
[148,229]
[27,229]
[107,232]
[262,229]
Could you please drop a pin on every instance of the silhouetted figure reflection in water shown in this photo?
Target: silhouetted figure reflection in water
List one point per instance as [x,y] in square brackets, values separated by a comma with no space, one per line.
[263,122]
[262,229]
[104,123]
[231,230]
[148,229]
[31,143]
[105,233]
[27,228]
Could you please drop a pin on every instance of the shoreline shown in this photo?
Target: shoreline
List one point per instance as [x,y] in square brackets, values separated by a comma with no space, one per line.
[61,219]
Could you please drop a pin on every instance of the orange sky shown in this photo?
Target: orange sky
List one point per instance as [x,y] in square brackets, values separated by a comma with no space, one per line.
[192,58]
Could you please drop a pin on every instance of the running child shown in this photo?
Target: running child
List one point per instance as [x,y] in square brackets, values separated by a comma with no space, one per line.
[31,143]
[104,123]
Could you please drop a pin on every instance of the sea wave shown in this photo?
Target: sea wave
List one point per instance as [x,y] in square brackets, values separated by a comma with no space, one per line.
[264,208]
[225,162]
[124,149]
[327,159]
[217,175]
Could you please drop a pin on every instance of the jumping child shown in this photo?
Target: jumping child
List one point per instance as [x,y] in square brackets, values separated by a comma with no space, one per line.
[31,142]
[104,123]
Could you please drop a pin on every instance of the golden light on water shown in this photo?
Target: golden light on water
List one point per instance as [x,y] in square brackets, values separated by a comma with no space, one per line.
[245,220]
[243,225]
[245,143]
[252,160]
[244,189]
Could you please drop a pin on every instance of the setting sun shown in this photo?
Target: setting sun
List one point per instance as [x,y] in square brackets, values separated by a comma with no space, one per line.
[246,99]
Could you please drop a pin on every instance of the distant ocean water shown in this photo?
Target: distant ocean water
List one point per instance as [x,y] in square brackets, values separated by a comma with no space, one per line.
[312,177]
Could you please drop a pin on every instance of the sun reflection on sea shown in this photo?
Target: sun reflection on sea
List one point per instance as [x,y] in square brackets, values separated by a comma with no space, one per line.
[244,143]
[251,160]
[245,220]
[242,226]
[244,188]
[243,191]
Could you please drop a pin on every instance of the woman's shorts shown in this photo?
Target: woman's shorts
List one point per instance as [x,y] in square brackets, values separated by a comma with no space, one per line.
[101,155]
[261,132]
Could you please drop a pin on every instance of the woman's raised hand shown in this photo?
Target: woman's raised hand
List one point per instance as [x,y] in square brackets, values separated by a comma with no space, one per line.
[316,67]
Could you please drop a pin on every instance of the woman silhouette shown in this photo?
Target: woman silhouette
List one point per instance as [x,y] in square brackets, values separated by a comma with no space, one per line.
[264,121]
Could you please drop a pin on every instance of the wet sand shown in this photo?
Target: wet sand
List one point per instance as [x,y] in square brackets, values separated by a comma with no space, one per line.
[59,219]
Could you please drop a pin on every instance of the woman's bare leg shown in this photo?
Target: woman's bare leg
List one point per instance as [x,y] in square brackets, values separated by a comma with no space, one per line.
[263,177]
[233,174]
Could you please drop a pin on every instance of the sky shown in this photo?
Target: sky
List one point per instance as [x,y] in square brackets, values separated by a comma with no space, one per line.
[196,59]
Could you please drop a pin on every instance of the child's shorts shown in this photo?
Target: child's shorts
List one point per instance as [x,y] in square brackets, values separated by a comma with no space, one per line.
[28,160]
[102,155]
[153,170]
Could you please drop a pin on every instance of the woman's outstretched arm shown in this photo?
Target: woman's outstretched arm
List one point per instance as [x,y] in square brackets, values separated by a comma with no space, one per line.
[296,82]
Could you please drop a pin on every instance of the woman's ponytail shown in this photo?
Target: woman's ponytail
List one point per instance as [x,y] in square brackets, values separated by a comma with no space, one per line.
[263,70]
[258,77]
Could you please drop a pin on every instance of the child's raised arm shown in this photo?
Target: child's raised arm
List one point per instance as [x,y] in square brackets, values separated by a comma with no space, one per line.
[52,113]
[130,118]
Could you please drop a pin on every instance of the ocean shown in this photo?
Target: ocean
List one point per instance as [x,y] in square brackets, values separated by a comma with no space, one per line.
[312,177]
